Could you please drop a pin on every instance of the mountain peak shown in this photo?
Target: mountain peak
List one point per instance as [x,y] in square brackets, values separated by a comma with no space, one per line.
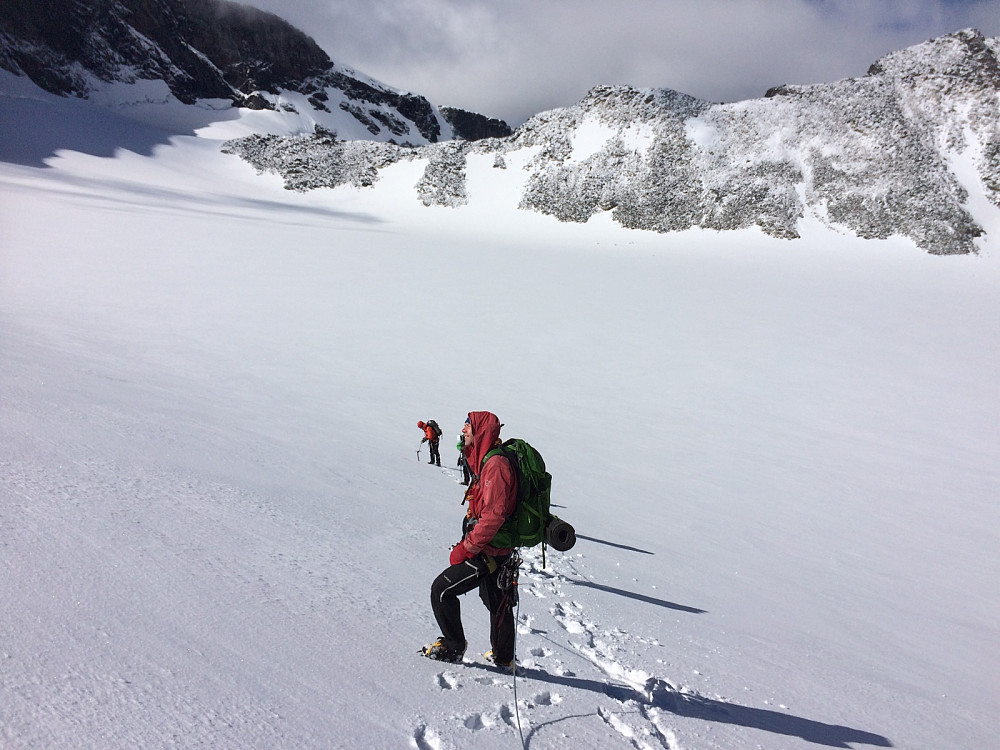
[964,55]
[211,49]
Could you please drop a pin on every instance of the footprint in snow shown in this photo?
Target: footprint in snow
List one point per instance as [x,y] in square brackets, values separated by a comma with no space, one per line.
[546,699]
[447,681]
[425,738]
[489,681]
[475,722]
[536,591]
[507,714]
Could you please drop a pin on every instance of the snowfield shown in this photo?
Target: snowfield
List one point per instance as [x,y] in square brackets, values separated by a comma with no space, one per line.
[782,461]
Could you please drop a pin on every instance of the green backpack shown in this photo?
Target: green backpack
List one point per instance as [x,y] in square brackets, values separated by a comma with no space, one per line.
[526,526]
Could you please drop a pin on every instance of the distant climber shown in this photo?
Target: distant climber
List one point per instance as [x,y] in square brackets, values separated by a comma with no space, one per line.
[461,459]
[432,436]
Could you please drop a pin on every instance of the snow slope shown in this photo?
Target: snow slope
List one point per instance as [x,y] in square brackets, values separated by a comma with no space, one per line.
[782,462]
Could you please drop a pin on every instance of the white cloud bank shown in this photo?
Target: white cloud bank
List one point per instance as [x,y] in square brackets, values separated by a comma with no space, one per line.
[517,58]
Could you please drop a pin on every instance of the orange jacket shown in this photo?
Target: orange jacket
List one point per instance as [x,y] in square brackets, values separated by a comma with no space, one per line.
[429,433]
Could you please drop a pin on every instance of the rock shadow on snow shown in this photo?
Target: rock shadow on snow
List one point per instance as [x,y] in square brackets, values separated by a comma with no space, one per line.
[35,129]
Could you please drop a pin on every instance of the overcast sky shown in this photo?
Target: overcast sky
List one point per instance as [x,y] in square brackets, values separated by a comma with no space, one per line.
[514,58]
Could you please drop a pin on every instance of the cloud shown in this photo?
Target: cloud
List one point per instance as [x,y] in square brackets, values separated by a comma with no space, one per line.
[519,57]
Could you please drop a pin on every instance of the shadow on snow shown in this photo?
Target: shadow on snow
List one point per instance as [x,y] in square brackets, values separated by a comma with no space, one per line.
[638,597]
[613,544]
[660,694]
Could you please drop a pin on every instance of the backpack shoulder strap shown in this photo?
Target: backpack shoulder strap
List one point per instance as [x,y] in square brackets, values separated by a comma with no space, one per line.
[499,450]
[515,468]
[490,453]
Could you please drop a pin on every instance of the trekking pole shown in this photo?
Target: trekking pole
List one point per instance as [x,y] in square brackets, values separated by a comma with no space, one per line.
[418,450]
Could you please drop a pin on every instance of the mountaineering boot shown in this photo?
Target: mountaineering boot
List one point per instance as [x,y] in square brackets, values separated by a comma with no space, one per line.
[439,652]
[504,666]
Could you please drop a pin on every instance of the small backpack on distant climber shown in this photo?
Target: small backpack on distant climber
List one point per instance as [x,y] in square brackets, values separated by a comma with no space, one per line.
[434,426]
[531,523]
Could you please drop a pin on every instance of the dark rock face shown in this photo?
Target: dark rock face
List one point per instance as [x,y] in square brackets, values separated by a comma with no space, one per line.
[202,49]
[414,108]
[470,126]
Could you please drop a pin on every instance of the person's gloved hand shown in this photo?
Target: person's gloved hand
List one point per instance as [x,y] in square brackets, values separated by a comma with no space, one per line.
[459,554]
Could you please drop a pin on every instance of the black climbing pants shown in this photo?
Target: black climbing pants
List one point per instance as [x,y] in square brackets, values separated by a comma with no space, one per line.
[481,571]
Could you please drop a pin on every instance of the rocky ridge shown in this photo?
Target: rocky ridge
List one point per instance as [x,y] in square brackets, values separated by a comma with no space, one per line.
[874,155]
[895,152]
[210,50]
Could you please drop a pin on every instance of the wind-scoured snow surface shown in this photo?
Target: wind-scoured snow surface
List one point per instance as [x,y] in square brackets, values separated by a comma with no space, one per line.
[782,461]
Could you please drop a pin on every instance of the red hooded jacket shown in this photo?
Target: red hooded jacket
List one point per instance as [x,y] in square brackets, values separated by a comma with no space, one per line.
[494,496]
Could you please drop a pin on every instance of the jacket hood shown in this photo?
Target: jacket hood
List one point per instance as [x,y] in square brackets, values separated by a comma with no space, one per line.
[485,431]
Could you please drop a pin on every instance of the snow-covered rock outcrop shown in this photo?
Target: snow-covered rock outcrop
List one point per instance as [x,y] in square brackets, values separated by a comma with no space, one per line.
[872,155]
